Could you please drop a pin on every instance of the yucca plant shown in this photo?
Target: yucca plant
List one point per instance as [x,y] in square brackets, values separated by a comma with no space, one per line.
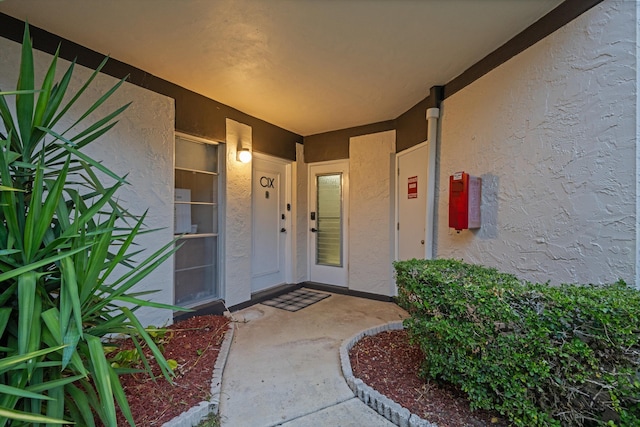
[67,264]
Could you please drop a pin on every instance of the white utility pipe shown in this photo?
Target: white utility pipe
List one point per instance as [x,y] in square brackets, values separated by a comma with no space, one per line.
[432,137]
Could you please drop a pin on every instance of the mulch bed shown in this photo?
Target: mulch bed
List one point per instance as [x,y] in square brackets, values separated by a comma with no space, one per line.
[194,344]
[388,363]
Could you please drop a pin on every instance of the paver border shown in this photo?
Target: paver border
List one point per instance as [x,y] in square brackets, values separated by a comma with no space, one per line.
[198,413]
[384,406]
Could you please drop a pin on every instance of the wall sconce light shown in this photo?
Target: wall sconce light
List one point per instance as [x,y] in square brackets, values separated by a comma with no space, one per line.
[243,155]
[243,150]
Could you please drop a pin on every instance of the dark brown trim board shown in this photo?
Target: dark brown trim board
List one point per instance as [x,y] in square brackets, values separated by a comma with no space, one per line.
[411,126]
[566,12]
[335,145]
[201,116]
[195,114]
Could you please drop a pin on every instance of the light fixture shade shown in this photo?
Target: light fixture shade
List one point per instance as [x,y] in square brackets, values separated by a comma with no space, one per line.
[244,155]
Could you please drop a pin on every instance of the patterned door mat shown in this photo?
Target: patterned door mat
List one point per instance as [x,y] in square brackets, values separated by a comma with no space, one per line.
[296,300]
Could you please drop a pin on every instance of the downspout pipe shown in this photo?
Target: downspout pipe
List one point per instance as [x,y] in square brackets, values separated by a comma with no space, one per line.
[433,114]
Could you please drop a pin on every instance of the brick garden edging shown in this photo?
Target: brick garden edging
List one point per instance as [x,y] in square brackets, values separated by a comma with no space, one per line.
[196,414]
[384,406]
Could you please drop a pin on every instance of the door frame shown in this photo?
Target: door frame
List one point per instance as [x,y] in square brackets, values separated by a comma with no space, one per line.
[428,237]
[290,215]
[342,165]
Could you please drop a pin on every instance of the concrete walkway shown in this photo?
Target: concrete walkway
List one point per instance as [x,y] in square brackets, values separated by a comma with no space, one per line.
[284,368]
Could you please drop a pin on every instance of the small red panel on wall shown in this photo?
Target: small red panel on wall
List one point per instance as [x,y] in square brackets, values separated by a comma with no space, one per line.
[412,187]
[464,201]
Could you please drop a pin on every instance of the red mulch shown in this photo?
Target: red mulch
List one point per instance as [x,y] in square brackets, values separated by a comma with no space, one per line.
[388,363]
[194,344]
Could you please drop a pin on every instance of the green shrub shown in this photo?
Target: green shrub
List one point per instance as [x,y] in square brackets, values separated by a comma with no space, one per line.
[62,237]
[541,355]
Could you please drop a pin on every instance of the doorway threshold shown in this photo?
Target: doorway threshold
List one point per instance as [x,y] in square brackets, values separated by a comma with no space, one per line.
[346,291]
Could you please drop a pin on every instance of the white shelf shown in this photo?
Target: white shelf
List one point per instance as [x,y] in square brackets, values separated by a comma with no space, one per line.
[196,171]
[195,235]
[194,267]
[195,203]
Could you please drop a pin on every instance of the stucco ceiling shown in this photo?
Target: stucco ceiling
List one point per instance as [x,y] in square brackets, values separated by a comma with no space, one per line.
[306,66]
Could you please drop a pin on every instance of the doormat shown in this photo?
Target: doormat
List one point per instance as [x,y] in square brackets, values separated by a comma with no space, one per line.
[296,300]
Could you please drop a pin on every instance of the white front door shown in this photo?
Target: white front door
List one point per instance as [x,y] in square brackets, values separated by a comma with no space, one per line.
[412,202]
[271,223]
[328,222]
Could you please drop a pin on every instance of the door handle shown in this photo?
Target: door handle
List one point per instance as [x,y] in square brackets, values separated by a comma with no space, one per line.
[283,230]
[313,230]
[422,242]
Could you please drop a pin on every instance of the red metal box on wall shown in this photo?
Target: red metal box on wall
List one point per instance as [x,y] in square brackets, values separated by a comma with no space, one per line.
[464,201]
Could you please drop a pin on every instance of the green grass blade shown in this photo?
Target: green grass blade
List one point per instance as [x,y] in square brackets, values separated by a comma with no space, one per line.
[11,362]
[60,149]
[24,102]
[3,188]
[97,104]
[102,380]
[97,125]
[149,264]
[17,92]
[22,393]
[9,125]
[55,409]
[69,147]
[41,214]
[69,294]
[121,398]
[33,216]
[57,95]
[51,319]
[97,261]
[45,92]
[162,363]
[120,256]
[35,335]
[55,383]
[28,417]
[5,313]
[12,208]
[79,93]
[145,303]
[26,301]
[8,293]
[35,265]
[81,405]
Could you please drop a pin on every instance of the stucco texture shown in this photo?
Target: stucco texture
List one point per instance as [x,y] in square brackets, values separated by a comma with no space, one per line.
[140,146]
[237,225]
[301,206]
[552,133]
[370,218]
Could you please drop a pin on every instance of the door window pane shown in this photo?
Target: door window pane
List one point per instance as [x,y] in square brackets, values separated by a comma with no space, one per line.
[329,220]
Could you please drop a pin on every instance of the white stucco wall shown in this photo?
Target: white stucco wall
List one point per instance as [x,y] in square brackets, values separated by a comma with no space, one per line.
[637,67]
[140,146]
[552,132]
[237,282]
[301,203]
[371,166]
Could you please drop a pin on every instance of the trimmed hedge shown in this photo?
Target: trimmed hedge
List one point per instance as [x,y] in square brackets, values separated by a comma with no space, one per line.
[540,355]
